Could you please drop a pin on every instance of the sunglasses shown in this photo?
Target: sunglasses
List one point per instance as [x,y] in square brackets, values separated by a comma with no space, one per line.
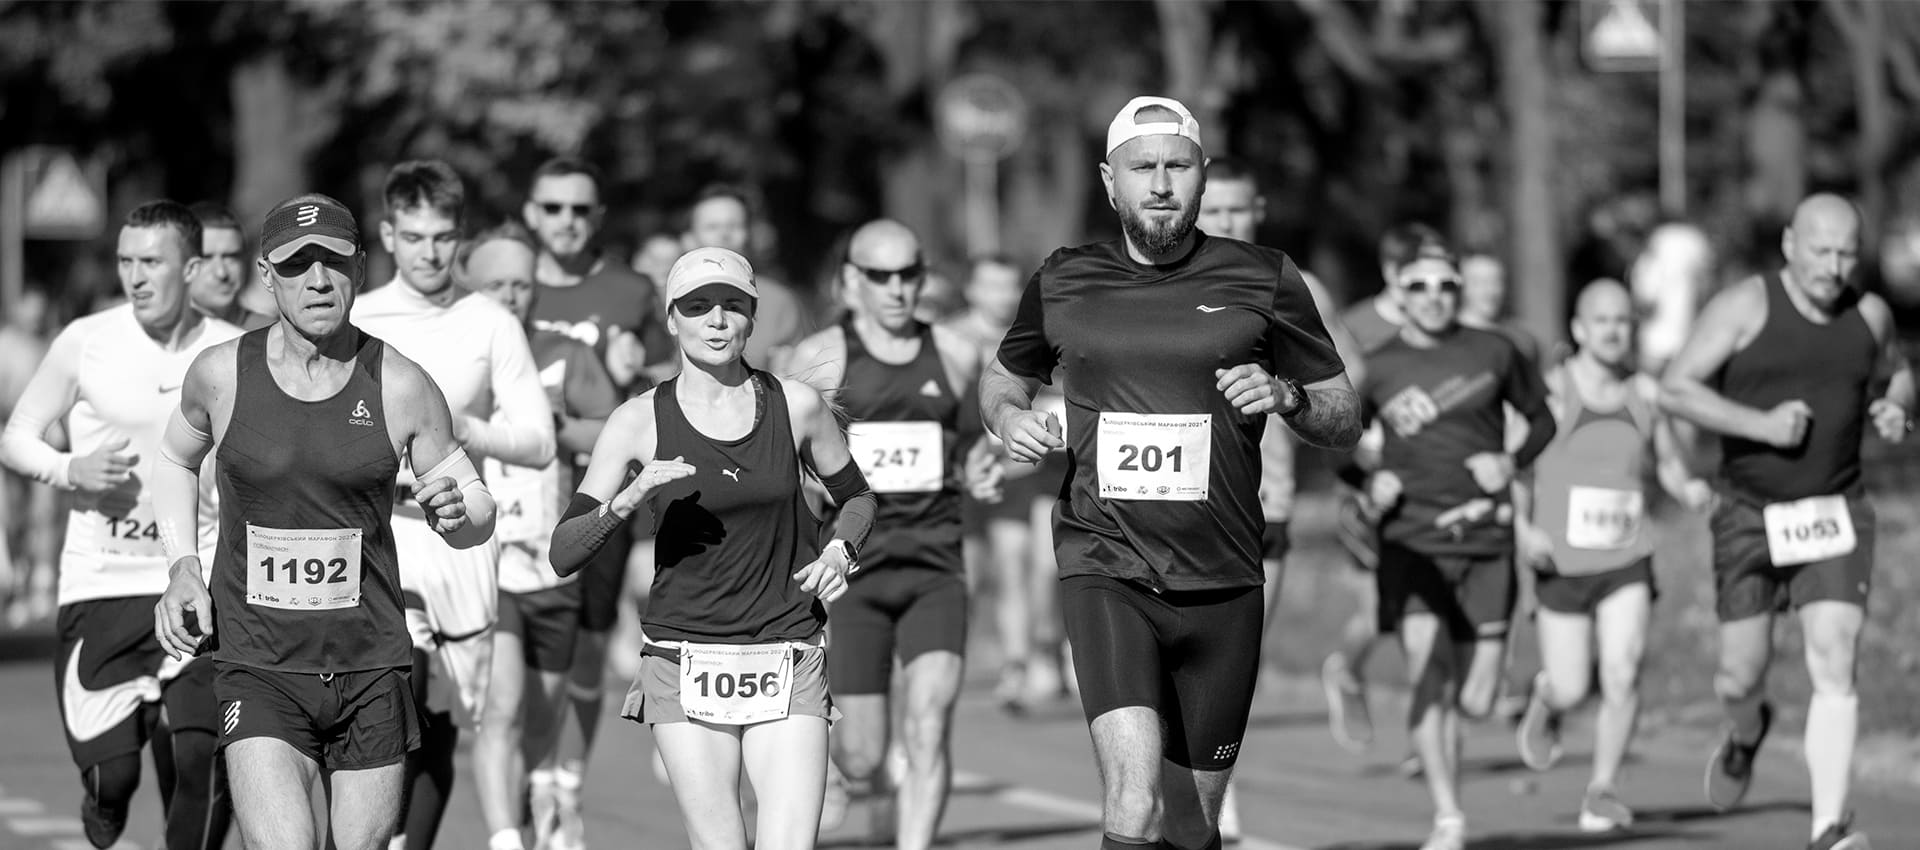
[1438,286]
[578,210]
[881,276]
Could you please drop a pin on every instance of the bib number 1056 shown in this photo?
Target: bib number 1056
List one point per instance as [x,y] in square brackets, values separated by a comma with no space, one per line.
[729,685]
[735,685]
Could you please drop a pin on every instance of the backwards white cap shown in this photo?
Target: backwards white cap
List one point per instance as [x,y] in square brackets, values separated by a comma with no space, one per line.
[1126,126]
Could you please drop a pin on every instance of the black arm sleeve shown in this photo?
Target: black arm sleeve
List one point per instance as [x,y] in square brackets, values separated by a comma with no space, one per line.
[857,506]
[582,532]
[1526,390]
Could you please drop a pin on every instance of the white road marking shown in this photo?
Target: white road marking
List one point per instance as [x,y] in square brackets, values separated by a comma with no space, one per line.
[21,807]
[42,826]
[1056,804]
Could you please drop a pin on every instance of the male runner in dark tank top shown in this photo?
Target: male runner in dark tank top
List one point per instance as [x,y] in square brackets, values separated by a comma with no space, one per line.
[1789,367]
[308,419]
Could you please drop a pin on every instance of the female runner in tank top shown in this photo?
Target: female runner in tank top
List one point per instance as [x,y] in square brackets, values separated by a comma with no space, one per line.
[733,672]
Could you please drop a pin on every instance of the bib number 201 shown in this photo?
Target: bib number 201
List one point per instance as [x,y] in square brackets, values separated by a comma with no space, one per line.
[1154,457]
[1149,458]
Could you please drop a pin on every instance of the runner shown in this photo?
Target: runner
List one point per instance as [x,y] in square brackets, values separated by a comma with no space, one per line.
[311,653]
[113,377]
[1589,544]
[901,383]
[1790,367]
[476,353]
[1232,206]
[539,611]
[722,217]
[216,290]
[1373,323]
[1158,533]
[733,674]
[584,295]
[1445,578]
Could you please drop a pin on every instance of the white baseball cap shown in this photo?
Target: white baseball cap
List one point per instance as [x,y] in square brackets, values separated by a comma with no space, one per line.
[1126,125]
[702,266]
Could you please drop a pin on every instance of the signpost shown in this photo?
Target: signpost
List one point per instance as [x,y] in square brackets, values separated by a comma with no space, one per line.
[45,193]
[981,119]
[1647,35]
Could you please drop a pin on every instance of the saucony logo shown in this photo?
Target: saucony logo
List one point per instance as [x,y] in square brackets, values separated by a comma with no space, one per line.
[1205,309]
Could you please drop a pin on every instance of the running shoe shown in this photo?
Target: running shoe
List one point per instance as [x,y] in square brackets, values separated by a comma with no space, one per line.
[570,829]
[1411,767]
[1347,716]
[543,807]
[1840,836]
[102,825]
[1449,833]
[1010,692]
[1602,811]
[1538,736]
[1730,772]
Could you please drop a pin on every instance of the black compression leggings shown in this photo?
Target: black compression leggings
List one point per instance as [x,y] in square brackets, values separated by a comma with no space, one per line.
[429,780]
[199,811]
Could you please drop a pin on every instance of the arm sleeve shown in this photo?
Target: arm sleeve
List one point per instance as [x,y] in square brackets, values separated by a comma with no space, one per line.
[1527,392]
[176,486]
[1298,345]
[848,488]
[47,399]
[1026,351]
[478,501]
[520,431]
[583,531]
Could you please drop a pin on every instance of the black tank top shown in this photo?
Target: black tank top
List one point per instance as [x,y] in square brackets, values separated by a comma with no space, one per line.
[732,534]
[289,464]
[1827,366]
[910,528]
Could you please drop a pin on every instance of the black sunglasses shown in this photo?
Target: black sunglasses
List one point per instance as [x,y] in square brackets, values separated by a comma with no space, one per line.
[880,276]
[579,210]
[1442,286]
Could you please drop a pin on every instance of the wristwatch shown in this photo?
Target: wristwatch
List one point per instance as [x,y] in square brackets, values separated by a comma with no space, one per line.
[1300,399]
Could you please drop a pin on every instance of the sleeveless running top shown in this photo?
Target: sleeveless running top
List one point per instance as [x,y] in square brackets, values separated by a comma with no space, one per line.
[1588,483]
[905,438]
[287,465]
[1827,366]
[731,535]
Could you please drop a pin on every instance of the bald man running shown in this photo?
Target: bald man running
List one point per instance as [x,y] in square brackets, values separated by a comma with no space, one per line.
[1790,367]
[903,384]
[1588,543]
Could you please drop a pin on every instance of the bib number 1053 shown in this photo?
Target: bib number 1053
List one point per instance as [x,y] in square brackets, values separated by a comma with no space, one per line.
[1809,530]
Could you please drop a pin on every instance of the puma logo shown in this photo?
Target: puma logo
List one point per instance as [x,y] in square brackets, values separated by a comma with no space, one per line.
[732,473]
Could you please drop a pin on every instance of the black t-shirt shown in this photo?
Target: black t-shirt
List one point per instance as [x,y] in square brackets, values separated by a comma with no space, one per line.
[610,296]
[1441,405]
[1164,474]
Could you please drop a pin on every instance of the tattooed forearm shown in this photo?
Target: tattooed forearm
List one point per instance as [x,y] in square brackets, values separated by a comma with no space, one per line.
[1331,419]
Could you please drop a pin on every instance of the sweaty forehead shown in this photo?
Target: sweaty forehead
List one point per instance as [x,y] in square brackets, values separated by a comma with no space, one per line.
[883,245]
[501,259]
[1159,147]
[146,241]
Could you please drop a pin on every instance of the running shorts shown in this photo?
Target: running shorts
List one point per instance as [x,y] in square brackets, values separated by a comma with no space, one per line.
[1473,595]
[893,611]
[1583,594]
[352,720]
[113,673]
[1747,584]
[546,622]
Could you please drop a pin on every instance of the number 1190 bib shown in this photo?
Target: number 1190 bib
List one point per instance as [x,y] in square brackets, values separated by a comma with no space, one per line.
[1156,457]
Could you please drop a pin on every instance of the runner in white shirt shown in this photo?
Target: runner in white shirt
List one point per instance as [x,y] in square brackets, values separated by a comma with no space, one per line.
[114,377]
[475,351]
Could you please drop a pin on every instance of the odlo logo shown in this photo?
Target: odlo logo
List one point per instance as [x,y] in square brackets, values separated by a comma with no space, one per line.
[361,416]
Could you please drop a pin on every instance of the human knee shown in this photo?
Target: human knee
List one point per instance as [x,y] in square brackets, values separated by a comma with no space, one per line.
[1475,703]
[858,758]
[1130,806]
[1619,679]
[114,780]
[194,760]
[925,734]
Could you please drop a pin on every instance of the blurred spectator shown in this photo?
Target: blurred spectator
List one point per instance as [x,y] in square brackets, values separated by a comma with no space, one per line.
[654,256]
[1483,302]
[721,217]
[225,269]
[1670,280]
[940,298]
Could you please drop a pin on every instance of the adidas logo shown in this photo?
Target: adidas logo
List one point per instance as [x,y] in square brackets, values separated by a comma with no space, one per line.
[361,416]
[930,389]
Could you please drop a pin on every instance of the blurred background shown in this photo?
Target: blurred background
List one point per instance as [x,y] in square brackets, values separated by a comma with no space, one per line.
[1656,141]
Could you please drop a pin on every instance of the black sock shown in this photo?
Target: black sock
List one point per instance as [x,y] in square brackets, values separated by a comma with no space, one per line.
[1109,841]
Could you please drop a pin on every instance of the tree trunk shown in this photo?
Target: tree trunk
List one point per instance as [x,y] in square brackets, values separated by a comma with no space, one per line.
[277,124]
[1526,87]
[1186,47]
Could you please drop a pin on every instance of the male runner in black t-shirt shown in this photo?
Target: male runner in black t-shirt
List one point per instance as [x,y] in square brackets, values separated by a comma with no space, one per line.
[1158,530]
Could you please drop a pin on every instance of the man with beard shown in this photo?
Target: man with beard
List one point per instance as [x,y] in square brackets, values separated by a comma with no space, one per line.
[1790,367]
[215,291]
[1158,533]
[720,217]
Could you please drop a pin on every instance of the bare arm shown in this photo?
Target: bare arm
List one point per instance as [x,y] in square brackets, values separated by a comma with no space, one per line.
[1006,406]
[1726,325]
[1331,419]
[1892,368]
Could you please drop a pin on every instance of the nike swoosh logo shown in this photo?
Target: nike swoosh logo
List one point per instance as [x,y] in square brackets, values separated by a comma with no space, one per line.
[92,713]
[167,389]
[1205,309]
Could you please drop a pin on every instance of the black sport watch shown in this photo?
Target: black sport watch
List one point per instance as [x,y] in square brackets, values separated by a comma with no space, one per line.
[1300,399]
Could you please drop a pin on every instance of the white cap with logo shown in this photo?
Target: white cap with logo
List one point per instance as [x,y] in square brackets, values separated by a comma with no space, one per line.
[1127,126]
[702,266]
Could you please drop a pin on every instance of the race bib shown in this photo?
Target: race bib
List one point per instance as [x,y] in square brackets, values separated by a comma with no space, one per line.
[1809,530]
[899,457]
[735,685]
[303,569]
[135,535]
[1154,457]
[525,502]
[1602,518]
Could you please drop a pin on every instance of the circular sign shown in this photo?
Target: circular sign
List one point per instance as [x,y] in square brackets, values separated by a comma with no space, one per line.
[981,115]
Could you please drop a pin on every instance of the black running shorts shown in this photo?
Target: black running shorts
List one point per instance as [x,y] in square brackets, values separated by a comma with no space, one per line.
[351,720]
[888,612]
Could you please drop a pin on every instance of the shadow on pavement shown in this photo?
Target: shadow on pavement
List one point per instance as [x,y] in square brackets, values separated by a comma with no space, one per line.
[1287,720]
[990,836]
[1532,840]
[1686,814]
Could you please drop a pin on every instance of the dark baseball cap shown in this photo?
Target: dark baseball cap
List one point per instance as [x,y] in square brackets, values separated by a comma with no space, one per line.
[311,219]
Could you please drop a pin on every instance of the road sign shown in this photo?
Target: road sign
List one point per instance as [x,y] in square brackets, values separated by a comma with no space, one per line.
[981,116]
[63,201]
[1623,35]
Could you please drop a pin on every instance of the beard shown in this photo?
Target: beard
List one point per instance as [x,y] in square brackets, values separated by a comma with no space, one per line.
[1156,240]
